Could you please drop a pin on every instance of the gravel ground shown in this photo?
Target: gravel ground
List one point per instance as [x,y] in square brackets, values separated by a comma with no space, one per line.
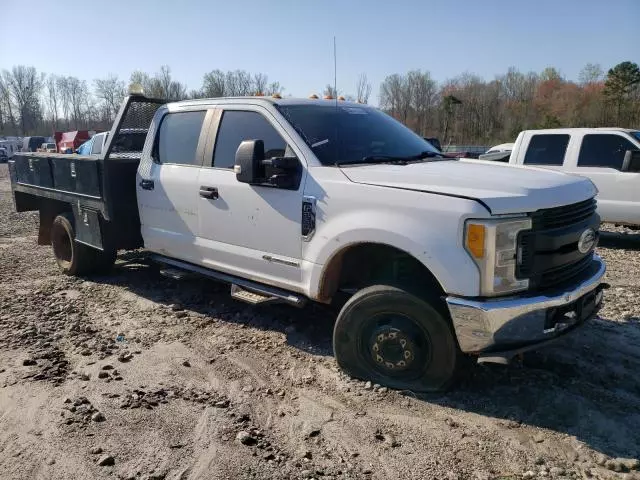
[134,376]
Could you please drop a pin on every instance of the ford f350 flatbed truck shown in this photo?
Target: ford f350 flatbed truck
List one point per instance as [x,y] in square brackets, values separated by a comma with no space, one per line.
[293,200]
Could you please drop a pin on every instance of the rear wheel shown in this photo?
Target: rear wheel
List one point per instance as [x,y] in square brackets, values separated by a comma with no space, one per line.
[391,337]
[75,258]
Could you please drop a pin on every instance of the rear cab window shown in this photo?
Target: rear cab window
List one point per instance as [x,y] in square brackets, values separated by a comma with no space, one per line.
[547,149]
[177,140]
[603,150]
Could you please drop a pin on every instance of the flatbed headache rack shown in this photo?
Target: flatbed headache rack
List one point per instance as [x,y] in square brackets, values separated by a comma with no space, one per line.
[101,191]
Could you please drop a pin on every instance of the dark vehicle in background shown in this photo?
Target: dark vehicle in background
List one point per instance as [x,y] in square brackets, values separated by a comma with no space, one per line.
[31,144]
[464,151]
[434,141]
[4,157]
[456,151]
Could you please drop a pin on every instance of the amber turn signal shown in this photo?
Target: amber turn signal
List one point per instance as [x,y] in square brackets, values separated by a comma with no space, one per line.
[475,239]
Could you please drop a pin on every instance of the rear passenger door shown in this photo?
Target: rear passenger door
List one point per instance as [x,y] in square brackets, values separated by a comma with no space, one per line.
[600,159]
[168,196]
[249,230]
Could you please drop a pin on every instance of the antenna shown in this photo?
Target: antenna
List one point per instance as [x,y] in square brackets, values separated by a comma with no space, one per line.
[335,71]
[335,93]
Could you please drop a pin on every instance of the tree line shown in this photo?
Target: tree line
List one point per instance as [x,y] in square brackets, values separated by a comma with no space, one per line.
[32,102]
[462,110]
[470,110]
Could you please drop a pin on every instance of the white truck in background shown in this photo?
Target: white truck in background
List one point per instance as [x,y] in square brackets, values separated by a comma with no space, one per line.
[11,146]
[290,200]
[609,157]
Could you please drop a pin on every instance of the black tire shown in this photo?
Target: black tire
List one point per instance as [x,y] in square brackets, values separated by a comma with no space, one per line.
[75,258]
[391,337]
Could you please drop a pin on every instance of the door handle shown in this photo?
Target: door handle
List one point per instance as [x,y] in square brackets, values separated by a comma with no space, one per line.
[147,184]
[209,192]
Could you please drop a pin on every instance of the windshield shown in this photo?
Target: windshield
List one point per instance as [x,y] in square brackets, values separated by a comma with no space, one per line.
[353,134]
[636,134]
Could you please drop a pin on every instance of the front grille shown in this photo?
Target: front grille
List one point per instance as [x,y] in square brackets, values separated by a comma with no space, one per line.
[563,216]
[548,253]
[563,274]
[525,260]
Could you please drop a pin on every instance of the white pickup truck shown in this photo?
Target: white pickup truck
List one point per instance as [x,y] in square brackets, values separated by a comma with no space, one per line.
[293,200]
[609,157]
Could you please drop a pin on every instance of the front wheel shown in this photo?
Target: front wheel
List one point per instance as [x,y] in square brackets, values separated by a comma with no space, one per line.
[391,337]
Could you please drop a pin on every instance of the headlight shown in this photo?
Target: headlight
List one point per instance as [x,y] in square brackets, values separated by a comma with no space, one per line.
[493,246]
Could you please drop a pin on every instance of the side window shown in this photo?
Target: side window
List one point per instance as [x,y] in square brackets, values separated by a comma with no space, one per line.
[178,138]
[546,149]
[97,144]
[237,126]
[603,151]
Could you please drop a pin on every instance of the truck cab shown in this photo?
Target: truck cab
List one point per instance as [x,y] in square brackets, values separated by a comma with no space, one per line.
[293,200]
[609,157]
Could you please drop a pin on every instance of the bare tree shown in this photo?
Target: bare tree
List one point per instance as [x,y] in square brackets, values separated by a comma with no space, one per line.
[391,93]
[160,85]
[273,88]
[111,91]
[53,99]
[422,91]
[6,105]
[77,92]
[330,91]
[238,83]
[363,89]
[65,100]
[24,85]
[260,83]
[214,84]
[590,74]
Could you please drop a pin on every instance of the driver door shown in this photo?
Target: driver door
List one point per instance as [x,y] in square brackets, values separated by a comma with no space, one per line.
[249,230]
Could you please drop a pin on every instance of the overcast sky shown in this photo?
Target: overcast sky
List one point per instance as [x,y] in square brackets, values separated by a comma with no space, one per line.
[292,41]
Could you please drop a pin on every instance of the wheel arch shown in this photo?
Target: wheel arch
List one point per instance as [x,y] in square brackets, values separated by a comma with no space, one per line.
[386,263]
[49,209]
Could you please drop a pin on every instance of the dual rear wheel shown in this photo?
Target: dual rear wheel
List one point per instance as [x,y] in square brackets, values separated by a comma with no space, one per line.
[73,257]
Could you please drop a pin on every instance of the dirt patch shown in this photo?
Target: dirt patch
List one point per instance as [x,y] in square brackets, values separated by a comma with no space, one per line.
[133,376]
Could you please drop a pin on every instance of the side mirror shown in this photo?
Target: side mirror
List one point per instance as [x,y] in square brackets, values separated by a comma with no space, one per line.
[248,165]
[631,162]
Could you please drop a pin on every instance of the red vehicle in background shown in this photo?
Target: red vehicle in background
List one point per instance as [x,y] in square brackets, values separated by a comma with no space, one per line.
[68,142]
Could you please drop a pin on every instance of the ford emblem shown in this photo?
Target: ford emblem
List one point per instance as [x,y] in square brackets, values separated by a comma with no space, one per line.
[587,241]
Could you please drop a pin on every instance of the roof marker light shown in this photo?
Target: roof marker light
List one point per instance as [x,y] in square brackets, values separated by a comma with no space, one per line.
[136,89]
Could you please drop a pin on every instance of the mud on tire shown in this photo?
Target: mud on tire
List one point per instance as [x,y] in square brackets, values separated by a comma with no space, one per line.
[391,337]
[75,258]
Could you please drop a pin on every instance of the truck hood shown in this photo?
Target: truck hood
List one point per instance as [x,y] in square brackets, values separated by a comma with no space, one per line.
[502,188]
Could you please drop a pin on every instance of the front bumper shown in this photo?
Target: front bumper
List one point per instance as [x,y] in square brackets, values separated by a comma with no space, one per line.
[517,323]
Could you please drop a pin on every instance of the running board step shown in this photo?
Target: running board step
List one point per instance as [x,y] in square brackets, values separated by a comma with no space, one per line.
[253,298]
[241,288]
[175,273]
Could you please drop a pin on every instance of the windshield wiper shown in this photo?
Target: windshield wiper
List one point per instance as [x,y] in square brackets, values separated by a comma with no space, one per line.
[391,159]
